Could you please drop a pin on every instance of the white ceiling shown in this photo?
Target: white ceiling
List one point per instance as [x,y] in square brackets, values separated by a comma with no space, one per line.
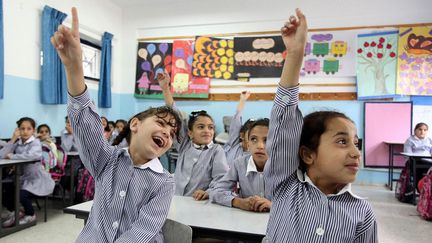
[129,3]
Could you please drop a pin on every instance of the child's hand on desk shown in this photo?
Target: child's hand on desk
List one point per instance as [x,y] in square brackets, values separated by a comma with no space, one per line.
[243,203]
[260,204]
[9,156]
[200,195]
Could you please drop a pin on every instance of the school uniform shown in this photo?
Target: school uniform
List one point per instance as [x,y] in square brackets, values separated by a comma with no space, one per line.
[250,181]
[131,202]
[35,179]
[233,147]
[198,167]
[416,145]
[68,142]
[300,211]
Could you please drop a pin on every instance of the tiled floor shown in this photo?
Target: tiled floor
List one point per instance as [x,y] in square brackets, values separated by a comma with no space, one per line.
[397,222]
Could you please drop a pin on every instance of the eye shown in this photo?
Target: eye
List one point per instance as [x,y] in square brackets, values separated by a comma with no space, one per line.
[341,141]
[200,126]
[211,127]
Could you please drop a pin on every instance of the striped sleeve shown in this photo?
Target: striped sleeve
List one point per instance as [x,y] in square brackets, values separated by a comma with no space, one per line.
[286,123]
[34,152]
[93,148]
[368,232]
[219,166]
[223,193]
[234,132]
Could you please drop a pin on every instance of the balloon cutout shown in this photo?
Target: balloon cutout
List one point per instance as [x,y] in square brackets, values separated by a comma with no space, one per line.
[156,60]
[179,53]
[163,47]
[146,66]
[189,60]
[167,61]
[180,63]
[159,70]
[151,49]
[143,53]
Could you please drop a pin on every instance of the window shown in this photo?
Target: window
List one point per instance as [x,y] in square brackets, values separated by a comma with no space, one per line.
[91,60]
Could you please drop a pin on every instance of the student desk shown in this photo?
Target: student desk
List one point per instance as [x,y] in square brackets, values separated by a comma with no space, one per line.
[205,218]
[391,145]
[18,163]
[414,158]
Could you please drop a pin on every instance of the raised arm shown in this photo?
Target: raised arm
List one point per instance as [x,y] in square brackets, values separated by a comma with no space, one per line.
[236,123]
[286,120]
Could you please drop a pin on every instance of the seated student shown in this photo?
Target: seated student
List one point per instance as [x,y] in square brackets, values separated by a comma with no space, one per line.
[247,171]
[313,203]
[133,191]
[119,125]
[44,136]
[419,143]
[237,142]
[200,163]
[106,128]
[67,138]
[34,180]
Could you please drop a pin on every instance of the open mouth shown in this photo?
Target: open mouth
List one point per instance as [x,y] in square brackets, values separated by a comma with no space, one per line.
[159,141]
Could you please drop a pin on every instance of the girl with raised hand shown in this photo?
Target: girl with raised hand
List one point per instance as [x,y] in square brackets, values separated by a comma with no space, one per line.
[133,191]
[312,163]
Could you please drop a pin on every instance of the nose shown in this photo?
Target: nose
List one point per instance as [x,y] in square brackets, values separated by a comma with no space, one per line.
[355,152]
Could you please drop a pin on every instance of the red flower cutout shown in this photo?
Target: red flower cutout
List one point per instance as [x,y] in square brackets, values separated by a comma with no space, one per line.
[379,55]
[381,40]
[369,54]
[380,46]
[389,46]
[373,44]
[366,44]
[392,54]
[359,50]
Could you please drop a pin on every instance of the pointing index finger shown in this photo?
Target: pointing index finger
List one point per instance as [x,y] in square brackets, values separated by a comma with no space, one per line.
[75,22]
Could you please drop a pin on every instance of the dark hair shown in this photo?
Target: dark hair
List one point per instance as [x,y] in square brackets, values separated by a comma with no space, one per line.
[106,128]
[160,112]
[193,116]
[418,125]
[246,126]
[121,121]
[260,122]
[314,125]
[112,123]
[43,125]
[23,119]
[66,118]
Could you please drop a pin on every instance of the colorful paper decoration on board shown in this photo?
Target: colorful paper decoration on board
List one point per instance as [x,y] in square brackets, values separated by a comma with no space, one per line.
[183,84]
[414,67]
[152,58]
[329,54]
[376,64]
[213,58]
[261,56]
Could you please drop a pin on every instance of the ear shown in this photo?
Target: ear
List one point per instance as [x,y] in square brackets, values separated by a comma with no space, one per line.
[190,134]
[307,155]
[134,125]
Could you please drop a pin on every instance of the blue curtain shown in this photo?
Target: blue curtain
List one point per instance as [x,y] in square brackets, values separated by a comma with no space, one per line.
[1,51]
[104,100]
[53,85]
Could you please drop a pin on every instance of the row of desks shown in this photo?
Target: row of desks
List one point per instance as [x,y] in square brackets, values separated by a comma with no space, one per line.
[205,218]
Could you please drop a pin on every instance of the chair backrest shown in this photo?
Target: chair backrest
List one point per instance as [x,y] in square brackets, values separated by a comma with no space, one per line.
[175,232]
[226,120]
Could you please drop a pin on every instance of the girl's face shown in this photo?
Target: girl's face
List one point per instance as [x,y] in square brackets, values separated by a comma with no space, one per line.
[26,130]
[337,160]
[44,132]
[104,121]
[421,132]
[153,136]
[119,126]
[257,145]
[111,126]
[202,130]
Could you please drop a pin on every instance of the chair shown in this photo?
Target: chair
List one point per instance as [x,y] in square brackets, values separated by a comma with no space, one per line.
[175,232]
[172,156]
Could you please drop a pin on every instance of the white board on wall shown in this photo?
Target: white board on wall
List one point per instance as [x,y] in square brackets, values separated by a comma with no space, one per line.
[422,113]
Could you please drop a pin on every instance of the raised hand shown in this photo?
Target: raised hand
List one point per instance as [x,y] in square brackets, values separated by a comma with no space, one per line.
[164,80]
[244,95]
[294,33]
[67,42]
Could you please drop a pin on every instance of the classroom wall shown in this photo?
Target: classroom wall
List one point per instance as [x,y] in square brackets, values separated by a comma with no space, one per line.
[22,45]
[170,18]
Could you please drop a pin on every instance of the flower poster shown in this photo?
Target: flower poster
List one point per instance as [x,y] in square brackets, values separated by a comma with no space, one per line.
[376,64]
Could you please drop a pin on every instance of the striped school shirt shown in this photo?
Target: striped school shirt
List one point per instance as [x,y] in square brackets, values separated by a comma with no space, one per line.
[199,167]
[300,211]
[250,181]
[131,203]
[233,147]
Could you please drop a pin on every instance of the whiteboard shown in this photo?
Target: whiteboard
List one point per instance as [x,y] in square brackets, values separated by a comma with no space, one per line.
[422,113]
